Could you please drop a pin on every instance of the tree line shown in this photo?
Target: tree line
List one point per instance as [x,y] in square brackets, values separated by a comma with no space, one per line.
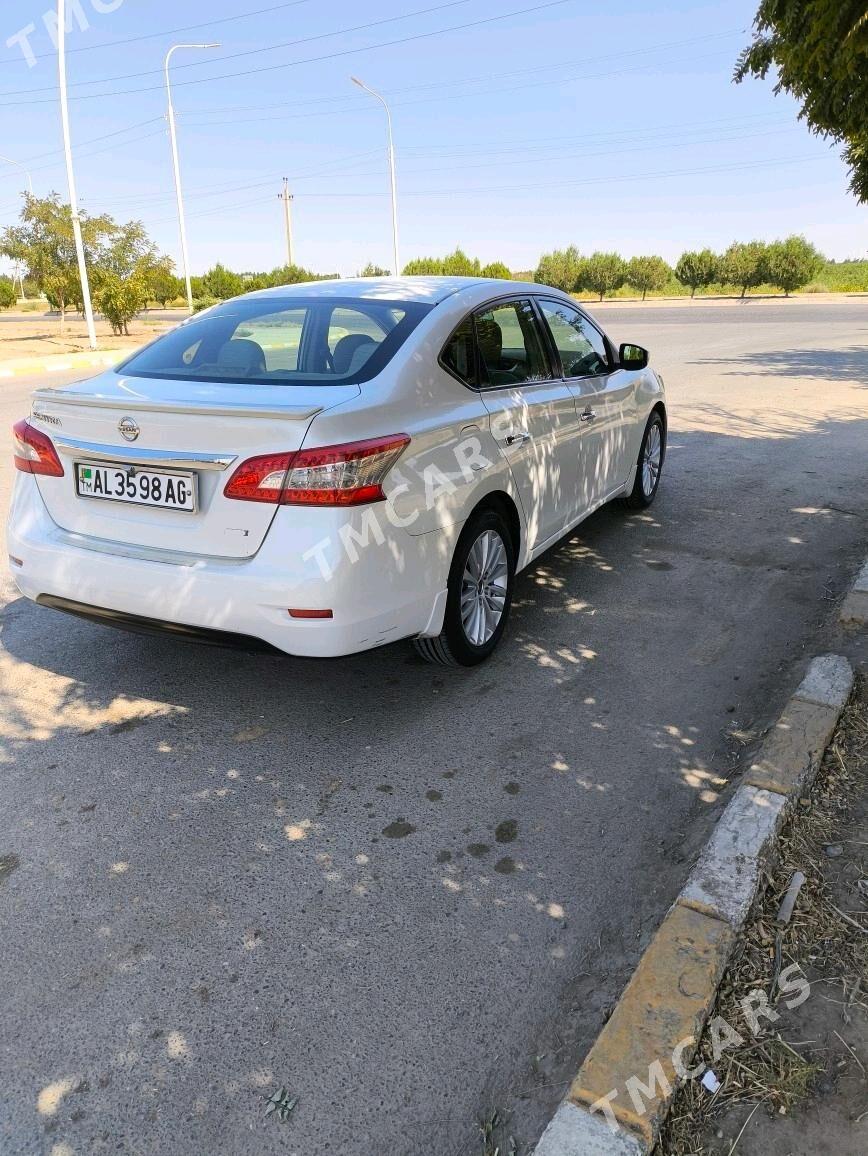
[788,265]
[127,270]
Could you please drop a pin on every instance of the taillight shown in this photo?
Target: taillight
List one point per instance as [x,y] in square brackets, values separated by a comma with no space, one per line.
[344,475]
[34,451]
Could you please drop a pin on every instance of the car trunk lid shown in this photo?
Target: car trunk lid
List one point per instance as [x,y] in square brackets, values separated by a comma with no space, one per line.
[202,429]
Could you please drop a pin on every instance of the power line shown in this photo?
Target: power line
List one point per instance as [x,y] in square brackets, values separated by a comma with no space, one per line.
[249,51]
[306,60]
[511,86]
[155,35]
[451,84]
[473,190]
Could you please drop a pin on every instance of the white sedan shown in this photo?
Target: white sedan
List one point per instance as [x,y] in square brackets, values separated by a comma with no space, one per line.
[327,467]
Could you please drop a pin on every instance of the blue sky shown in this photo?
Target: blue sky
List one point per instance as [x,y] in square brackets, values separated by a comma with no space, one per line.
[602,125]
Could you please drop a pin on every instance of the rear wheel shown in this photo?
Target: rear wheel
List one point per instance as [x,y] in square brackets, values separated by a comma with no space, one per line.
[479,595]
[649,466]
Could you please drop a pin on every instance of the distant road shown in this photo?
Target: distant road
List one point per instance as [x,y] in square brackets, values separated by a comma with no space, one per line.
[148,314]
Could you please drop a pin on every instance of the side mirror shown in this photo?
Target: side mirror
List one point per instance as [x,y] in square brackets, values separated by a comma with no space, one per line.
[632,357]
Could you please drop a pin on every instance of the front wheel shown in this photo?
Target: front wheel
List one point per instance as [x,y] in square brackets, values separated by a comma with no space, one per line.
[649,466]
[479,595]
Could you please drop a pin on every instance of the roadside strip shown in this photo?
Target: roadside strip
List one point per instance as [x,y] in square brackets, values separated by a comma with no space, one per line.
[619,1100]
[63,362]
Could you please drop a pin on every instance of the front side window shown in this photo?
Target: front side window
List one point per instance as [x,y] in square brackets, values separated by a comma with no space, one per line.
[580,346]
[510,345]
[295,341]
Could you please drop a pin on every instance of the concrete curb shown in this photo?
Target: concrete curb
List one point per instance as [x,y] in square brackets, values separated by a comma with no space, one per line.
[619,1100]
[61,362]
[854,611]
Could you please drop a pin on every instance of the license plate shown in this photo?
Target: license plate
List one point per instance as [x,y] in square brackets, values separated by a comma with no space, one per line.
[155,488]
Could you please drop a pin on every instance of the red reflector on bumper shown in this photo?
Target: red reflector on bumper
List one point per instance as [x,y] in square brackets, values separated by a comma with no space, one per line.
[311,614]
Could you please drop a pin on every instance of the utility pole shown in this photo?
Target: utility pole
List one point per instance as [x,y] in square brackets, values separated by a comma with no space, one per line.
[70,175]
[286,197]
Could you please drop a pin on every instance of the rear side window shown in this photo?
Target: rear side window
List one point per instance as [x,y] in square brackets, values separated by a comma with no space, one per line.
[459,354]
[296,341]
[510,344]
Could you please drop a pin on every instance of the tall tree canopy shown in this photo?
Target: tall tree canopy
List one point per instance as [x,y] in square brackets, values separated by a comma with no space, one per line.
[819,49]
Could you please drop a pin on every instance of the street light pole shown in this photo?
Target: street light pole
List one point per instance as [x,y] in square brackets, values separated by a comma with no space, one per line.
[382,101]
[70,175]
[173,136]
[26,171]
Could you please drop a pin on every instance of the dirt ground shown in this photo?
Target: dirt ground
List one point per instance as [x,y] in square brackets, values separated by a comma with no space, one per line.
[24,335]
[800,1089]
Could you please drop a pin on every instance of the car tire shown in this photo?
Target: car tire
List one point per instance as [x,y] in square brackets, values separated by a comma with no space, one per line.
[479,597]
[649,465]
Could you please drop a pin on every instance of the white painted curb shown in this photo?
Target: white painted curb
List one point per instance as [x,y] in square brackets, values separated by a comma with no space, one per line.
[727,877]
[575,1132]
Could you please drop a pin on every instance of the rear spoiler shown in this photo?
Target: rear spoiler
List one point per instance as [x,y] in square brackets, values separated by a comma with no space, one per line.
[246,409]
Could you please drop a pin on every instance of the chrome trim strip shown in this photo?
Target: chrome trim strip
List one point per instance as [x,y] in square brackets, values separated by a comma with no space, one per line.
[126,454]
[136,404]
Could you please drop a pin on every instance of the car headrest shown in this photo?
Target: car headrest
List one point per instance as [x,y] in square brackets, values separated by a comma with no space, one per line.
[242,355]
[350,352]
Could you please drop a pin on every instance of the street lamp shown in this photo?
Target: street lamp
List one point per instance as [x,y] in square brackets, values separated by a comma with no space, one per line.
[10,161]
[382,101]
[177,170]
[70,175]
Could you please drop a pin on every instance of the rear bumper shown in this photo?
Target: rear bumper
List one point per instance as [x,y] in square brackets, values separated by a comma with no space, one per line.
[380,583]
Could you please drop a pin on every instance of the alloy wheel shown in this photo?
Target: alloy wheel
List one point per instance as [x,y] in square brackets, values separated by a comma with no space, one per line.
[484,586]
[651,459]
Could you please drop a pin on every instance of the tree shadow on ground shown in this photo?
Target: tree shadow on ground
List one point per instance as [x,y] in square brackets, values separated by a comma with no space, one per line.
[850,365]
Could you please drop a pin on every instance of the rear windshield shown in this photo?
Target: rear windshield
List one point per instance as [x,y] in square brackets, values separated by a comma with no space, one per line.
[289,341]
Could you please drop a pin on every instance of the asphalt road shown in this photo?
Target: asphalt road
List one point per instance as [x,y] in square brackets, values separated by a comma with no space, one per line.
[409,896]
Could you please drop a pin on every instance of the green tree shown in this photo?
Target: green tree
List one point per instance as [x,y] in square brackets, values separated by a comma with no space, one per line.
[8,296]
[559,269]
[126,266]
[424,267]
[646,273]
[792,263]
[697,269]
[165,286]
[222,283]
[290,275]
[371,270]
[744,264]
[458,264]
[818,49]
[497,271]
[602,273]
[44,244]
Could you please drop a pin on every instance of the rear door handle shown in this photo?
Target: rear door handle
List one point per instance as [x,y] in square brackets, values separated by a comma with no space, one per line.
[517,439]
[587,414]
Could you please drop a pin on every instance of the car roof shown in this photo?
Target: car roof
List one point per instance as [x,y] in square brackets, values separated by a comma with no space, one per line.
[424,289]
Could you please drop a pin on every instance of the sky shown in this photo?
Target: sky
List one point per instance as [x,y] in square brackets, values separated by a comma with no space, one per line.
[520,126]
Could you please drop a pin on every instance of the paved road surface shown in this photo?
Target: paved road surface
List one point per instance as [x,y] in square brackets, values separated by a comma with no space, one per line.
[390,888]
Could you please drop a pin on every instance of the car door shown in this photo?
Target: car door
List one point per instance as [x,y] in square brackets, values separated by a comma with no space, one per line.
[533,415]
[604,396]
